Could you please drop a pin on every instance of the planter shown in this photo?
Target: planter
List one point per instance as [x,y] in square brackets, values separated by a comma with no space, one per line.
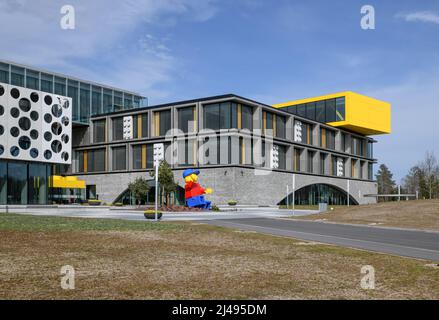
[150,215]
[232,203]
[94,202]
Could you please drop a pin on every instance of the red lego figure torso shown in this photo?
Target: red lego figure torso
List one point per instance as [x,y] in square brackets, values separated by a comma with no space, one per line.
[192,190]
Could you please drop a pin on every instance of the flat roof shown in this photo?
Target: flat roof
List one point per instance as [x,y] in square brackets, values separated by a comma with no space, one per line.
[69,77]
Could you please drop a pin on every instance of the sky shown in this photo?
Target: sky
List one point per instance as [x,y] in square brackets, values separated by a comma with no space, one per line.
[270,51]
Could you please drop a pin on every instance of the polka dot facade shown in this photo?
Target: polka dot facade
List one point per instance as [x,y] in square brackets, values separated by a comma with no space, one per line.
[26,133]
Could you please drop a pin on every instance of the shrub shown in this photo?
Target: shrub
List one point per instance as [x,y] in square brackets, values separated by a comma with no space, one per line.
[232,202]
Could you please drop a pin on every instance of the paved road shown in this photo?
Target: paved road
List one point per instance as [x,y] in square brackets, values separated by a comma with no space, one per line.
[415,244]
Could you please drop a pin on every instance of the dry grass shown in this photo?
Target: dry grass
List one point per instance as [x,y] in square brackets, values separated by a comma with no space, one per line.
[196,262]
[421,214]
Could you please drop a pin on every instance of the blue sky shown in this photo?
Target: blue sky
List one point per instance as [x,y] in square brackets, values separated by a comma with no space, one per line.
[270,51]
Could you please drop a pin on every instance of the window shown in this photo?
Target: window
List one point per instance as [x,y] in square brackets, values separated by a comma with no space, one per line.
[370,171]
[186,119]
[128,101]
[292,109]
[297,153]
[108,100]
[361,169]
[17,183]
[117,128]
[323,163]
[323,137]
[311,110]
[330,139]
[17,76]
[162,122]
[353,168]
[246,117]
[320,111]
[282,157]
[269,122]
[356,146]
[47,82]
[96,160]
[280,126]
[3,182]
[340,109]
[370,149]
[60,86]
[301,110]
[186,150]
[343,141]
[307,133]
[32,79]
[4,72]
[84,101]
[330,110]
[333,165]
[119,158]
[221,116]
[99,127]
[137,157]
[310,163]
[118,102]
[96,100]
[72,92]
[144,125]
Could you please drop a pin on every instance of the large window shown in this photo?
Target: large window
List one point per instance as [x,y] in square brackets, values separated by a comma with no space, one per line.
[119,158]
[143,156]
[186,152]
[162,122]
[297,154]
[330,139]
[276,123]
[96,100]
[322,193]
[108,100]
[38,184]
[370,149]
[99,128]
[4,72]
[186,119]
[307,133]
[72,92]
[84,101]
[17,76]
[32,79]
[17,183]
[246,117]
[96,160]
[47,82]
[282,157]
[310,163]
[323,163]
[280,126]
[118,129]
[220,116]
[60,86]
[329,110]
[118,101]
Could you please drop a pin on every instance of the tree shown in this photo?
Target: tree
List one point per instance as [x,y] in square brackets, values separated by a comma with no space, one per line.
[139,189]
[429,168]
[166,180]
[386,184]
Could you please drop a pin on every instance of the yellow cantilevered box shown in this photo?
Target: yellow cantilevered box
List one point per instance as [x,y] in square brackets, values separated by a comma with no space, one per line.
[364,115]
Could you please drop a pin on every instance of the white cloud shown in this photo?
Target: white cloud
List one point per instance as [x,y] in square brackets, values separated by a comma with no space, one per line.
[113,42]
[420,16]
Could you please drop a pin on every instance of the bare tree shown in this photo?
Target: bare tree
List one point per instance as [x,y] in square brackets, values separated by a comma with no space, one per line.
[430,169]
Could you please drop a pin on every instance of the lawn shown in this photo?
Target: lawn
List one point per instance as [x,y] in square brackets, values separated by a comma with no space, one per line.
[419,214]
[116,259]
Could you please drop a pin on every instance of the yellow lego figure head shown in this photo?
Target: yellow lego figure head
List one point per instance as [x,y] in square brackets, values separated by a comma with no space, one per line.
[191,178]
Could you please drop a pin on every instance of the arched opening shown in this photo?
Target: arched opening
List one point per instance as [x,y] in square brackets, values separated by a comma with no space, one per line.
[177,197]
[319,193]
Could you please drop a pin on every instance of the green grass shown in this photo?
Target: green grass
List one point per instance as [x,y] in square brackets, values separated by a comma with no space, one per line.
[19,222]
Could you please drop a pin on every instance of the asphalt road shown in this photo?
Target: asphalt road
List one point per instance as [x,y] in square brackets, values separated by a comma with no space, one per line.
[415,244]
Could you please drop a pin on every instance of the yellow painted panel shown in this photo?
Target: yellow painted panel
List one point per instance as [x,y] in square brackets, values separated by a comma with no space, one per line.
[239,116]
[143,156]
[139,126]
[156,124]
[85,161]
[66,182]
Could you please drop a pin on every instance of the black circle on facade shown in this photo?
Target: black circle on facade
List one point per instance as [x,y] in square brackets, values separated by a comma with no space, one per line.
[15,151]
[56,110]
[48,100]
[56,128]
[33,153]
[2,130]
[47,136]
[2,110]
[48,154]
[48,118]
[15,132]
[56,146]
[65,156]
[34,97]
[2,91]
[24,123]
[65,138]
[15,93]
[24,142]
[2,149]
[34,115]
[15,113]
[65,121]
[34,134]
[24,104]
[66,104]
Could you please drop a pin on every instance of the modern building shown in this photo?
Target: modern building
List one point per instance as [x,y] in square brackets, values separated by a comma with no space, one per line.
[246,150]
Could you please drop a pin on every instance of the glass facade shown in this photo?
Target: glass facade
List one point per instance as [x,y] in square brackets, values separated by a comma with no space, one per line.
[99,128]
[87,99]
[186,119]
[322,193]
[24,183]
[119,158]
[219,116]
[330,110]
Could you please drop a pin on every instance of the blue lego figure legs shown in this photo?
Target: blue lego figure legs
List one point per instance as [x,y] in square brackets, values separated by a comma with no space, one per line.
[198,202]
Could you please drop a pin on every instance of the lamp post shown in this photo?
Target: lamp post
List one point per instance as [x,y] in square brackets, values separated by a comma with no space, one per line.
[158,156]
